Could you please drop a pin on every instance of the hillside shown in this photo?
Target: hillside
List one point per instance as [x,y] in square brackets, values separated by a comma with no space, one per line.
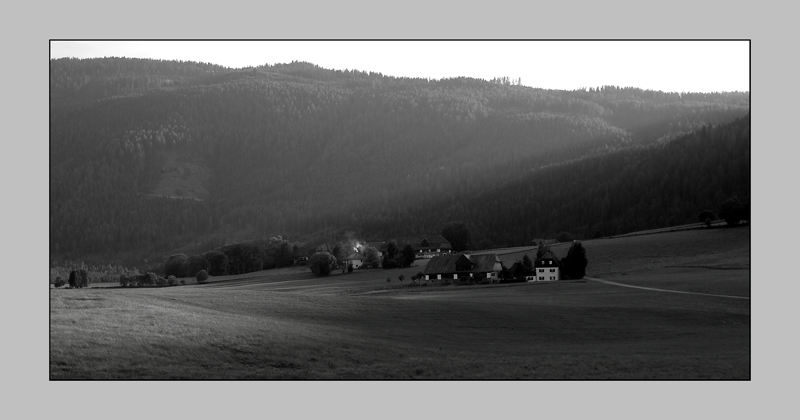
[148,156]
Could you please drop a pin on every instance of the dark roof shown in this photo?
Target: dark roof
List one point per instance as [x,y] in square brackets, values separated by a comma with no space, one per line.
[446,264]
[354,256]
[484,263]
[548,256]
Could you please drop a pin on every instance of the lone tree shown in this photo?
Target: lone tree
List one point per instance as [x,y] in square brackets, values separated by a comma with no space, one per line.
[408,255]
[321,263]
[458,235]
[527,265]
[706,216]
[732,211]
[574,264]
[390,257]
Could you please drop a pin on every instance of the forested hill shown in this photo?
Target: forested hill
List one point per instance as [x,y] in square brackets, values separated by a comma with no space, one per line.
[150,156]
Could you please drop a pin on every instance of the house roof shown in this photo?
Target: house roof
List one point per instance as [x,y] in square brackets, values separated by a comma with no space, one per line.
[446,264]
[549,255]
[354,256]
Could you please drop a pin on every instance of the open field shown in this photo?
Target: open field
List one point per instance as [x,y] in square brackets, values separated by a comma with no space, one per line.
[295,326]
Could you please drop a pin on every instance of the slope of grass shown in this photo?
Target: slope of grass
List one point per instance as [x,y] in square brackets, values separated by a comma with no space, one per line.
[350,326]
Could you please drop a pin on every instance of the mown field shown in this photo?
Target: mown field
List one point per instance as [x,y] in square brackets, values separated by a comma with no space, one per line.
[291,325]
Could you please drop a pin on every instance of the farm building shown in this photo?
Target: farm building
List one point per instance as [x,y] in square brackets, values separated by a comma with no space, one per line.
[463,266]
[357,260]
[547,267]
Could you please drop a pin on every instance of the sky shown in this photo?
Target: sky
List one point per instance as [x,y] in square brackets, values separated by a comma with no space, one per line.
[670,66]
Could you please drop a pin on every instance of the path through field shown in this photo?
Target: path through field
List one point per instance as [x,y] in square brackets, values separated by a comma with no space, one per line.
[663,290]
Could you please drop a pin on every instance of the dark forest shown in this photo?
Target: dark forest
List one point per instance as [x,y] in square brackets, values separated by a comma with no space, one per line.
[151,157]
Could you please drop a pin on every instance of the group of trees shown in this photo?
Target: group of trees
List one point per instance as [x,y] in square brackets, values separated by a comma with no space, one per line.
[395,257]
[77,279]
[732,211]
[236,258]
[270,140]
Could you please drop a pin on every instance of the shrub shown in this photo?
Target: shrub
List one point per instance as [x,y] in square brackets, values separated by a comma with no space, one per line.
[171,280]
[124,280]
[183,282]
[59,282]
[79,278]
[83,278]
[201,276]
[732,211]
[161,281]
[147,279]
[706,216]
[322,263]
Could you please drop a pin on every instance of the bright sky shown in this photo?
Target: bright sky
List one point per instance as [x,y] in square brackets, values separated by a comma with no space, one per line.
[671,66]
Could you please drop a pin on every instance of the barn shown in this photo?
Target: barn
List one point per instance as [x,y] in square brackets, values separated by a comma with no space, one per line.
[464,267]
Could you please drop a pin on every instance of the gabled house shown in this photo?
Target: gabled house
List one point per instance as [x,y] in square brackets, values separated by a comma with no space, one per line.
[357,260]
[547,268]
[462,266]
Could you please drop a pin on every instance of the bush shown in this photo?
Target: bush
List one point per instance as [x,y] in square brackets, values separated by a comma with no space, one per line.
[161,281]
[706,216]
[201,276]
[171,280]
[79,278]
[125,281]
[322,263]
[59,282]
[732,211]
[183,282]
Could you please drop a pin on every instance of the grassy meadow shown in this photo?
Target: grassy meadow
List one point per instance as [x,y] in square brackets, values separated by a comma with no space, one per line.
[291,325]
